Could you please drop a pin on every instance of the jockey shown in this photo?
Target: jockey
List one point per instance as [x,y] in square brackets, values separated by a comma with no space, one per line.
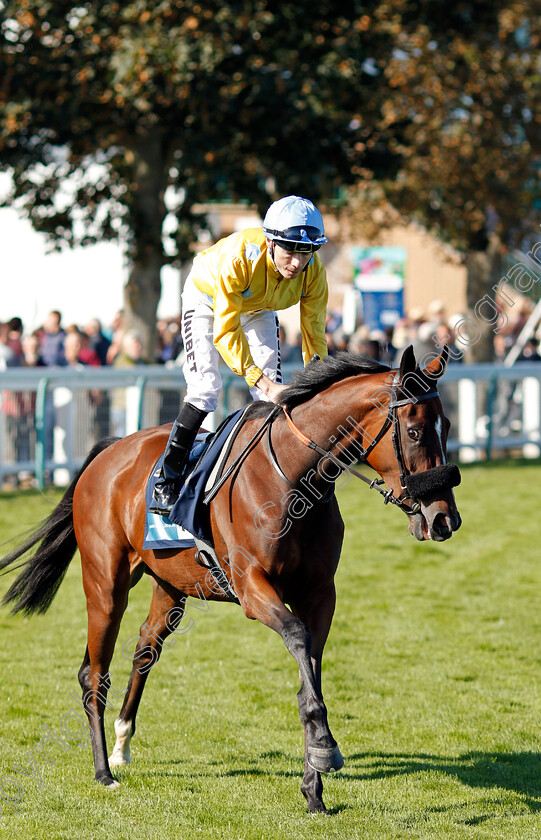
[228,310]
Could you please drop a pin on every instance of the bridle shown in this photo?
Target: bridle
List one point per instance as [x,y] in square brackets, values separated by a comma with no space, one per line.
[439,477]
[413,486]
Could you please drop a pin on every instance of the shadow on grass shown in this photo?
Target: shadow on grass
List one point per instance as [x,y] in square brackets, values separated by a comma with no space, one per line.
[499,774]
[518,773]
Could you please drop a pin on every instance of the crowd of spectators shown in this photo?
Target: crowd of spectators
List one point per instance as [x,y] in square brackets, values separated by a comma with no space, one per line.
[92,344]
[95,344]
[427,330]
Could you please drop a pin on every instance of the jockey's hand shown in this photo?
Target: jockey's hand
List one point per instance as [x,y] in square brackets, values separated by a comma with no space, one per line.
[272,390]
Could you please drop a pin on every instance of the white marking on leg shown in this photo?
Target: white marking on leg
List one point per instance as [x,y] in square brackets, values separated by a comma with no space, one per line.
[121,752]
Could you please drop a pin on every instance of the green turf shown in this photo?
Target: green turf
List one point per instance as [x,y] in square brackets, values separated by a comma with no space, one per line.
[432,679]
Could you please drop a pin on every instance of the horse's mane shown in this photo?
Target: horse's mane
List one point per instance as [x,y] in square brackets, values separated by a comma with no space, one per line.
[317,376]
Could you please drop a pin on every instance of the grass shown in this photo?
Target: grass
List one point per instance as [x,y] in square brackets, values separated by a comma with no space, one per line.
[432,679]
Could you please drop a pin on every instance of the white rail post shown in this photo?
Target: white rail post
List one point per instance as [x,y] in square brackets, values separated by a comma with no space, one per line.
[531,416]
[467,420]
[63,435]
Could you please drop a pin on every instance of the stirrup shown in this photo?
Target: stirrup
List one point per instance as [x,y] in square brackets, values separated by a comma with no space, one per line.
[164,506]
[160,511]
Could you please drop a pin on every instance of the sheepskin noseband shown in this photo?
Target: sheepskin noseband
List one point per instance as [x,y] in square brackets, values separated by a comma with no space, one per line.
[424,484]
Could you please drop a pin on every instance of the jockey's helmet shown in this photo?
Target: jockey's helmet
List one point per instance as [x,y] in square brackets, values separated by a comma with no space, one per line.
[295,224]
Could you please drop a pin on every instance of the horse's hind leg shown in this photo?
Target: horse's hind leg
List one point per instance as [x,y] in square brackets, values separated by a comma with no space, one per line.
[107,596]
[161,621]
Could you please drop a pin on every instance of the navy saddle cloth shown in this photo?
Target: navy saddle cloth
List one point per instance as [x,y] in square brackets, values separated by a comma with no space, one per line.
[189,516]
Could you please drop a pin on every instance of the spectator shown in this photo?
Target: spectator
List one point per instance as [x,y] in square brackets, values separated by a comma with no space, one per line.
[370,349]
[331,349]
[530,351]
[15,331]
[32,351]
[401,334]
[341,339]
[97,340]
[359,339]
[333,321]
[169,342]
[19,407]
[116,334]
[91,406]
[52,342]
[420,336]
[7,356]
[388,349]
[501,348]
[77,351]
[444,334]
[130,355]
[436,311]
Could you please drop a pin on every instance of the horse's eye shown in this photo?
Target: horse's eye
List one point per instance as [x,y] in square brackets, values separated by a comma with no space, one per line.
[414,434]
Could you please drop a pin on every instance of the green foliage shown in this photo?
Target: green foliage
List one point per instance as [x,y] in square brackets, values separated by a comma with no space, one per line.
[464,116]
[431,678]
[478,148]
[434,105]
[212,100]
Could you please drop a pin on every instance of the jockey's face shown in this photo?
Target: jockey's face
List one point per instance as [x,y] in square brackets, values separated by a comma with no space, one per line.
[289,264]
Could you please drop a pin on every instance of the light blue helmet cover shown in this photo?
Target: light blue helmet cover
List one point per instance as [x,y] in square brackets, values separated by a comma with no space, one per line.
[294,219]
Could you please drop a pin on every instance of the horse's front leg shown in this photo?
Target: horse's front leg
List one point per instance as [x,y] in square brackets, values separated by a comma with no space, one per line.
[317,614]
[260,600]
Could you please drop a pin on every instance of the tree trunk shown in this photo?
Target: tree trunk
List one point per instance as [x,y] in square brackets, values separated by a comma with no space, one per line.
[483,269]
[147,213]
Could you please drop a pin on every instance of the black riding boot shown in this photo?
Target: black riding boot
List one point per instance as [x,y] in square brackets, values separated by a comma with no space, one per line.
[180,442]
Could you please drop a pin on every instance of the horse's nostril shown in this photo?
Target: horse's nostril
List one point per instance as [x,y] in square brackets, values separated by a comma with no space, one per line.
[441,525]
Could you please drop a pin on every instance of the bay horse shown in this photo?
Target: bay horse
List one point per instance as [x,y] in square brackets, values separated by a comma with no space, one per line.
[275,525]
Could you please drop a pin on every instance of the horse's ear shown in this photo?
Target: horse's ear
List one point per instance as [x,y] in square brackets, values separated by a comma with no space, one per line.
[437,366]
[407,362]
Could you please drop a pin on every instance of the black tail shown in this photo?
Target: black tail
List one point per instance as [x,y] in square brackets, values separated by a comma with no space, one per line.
[44,571]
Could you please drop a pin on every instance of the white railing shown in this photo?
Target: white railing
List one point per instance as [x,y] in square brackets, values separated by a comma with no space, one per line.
[493,410]
[51,417]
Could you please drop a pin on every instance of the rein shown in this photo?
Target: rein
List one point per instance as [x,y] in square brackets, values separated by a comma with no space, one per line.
[237,463]
[373,484]
[413,485]
[391,420]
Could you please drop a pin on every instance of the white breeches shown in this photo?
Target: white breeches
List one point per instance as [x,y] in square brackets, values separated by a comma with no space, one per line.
[203,380]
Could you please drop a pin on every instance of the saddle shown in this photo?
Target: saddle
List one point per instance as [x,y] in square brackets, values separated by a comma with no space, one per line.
[189,523]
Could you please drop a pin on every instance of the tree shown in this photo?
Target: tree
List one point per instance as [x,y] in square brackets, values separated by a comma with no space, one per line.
[468,106]
[114,114]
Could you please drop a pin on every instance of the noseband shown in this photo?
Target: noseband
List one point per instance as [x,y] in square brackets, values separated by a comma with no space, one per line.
[414,486]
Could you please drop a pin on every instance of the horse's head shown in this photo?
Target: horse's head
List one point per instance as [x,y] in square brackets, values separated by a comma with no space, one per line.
[411,457]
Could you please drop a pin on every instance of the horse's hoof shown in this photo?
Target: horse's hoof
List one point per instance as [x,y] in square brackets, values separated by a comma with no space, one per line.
[113,785]
[118,760]
[317,808]
[325,760]
[108,782]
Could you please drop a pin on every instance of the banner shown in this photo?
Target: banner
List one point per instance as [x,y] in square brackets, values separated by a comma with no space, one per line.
[379,274]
